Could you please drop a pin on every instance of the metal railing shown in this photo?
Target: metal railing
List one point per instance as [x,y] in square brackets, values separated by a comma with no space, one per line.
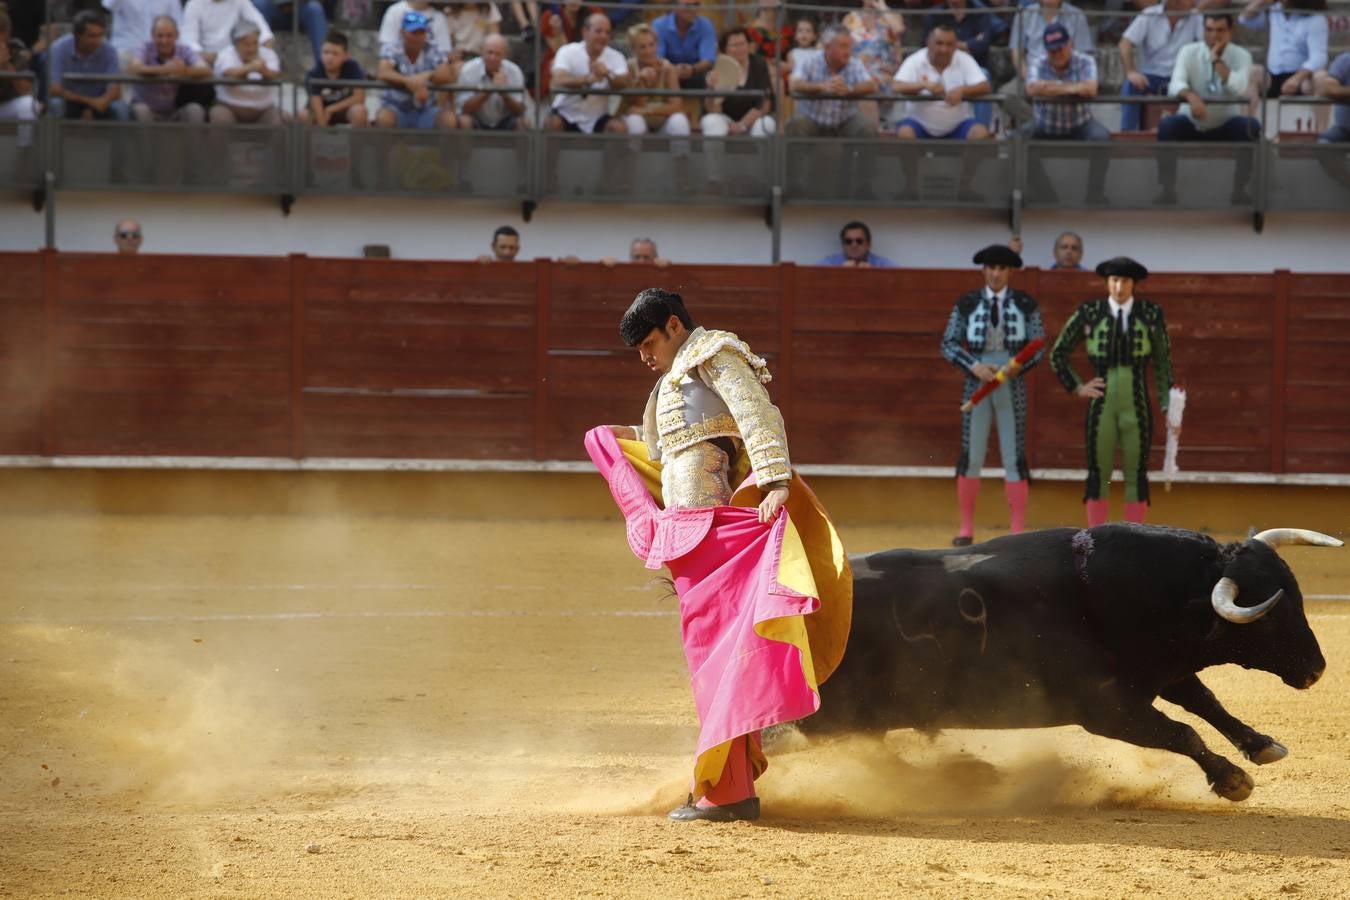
[534,165]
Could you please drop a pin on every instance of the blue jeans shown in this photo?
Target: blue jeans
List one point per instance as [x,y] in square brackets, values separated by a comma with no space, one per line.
[1336,134]
[1130,112]
[313,22]
[1180,128]
[118,110]
[414,118]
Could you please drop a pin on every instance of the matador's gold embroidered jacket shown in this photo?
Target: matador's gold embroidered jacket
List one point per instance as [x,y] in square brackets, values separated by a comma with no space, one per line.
[715,389]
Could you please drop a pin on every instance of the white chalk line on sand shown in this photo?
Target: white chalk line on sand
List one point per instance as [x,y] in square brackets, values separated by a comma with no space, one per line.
[363,614]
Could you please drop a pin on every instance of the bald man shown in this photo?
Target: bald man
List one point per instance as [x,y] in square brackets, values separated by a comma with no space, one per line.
[127,235]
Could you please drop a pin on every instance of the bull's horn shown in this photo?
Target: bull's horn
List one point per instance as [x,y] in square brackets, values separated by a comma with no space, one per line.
[1280,537]
[1224,600]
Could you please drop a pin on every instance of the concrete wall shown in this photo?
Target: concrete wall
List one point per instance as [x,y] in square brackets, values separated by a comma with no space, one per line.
[437,229]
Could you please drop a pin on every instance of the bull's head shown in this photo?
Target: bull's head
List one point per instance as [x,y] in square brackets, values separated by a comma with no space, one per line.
[1256,567]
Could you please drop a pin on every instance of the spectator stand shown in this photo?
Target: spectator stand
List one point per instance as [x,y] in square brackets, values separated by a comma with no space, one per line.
[1304,174]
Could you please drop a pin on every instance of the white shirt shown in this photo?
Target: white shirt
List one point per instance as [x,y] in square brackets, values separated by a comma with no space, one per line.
[469,27]
[1117,308]
[937,118]
[260,97]
[133,21]
[1156,42]
[391,26]
[207,23]
[573,59]
[494,108]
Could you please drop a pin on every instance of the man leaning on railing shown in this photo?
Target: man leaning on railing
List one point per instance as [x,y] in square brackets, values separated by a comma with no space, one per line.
[164,55]
[1156,35]
[86,51]
[1215,67]
[1065,73]
[412,67]
[248,61]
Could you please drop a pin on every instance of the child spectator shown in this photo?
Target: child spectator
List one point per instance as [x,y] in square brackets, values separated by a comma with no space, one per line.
[336,105]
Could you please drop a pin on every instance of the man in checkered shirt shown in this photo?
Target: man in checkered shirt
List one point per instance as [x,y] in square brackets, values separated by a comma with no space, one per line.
[1063,73]
[831,71]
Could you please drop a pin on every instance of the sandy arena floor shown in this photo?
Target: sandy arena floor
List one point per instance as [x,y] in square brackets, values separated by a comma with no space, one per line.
[262,707]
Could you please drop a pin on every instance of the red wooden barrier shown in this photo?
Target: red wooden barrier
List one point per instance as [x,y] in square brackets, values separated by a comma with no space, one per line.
[165,355]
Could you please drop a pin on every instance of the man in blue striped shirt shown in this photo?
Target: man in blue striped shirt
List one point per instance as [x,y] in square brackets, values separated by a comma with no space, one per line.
[1298,46]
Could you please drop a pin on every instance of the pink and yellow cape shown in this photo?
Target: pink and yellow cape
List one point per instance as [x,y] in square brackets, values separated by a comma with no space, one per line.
[764,609]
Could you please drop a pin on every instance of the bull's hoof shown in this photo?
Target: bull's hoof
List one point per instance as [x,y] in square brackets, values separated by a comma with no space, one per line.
[1272,752]
[1236,786]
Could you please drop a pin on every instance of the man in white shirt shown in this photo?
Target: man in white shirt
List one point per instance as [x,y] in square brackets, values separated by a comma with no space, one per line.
[590,62]
[133,20]
[1215,68]
[245,59]
[207,25]
[948,75]
[1157,34]
[391,26]
[493,111]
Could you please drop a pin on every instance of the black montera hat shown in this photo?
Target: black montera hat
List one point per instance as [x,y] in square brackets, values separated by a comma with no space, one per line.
[998,255]
[1124,267]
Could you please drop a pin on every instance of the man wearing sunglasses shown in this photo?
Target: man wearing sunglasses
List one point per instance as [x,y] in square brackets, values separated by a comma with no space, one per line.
[127,236]
[856,238]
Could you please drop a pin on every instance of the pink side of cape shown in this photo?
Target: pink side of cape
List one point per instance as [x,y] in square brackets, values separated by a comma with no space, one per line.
[727,583]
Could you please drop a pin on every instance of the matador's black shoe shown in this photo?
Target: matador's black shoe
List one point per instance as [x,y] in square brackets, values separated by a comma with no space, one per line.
[962,540]
[744,811]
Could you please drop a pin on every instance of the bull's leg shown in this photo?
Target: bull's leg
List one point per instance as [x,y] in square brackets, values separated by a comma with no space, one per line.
[1145,726]
[1192,695]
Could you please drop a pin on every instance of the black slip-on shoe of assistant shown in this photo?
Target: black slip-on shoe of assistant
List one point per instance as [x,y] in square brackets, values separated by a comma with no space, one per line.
[744,811]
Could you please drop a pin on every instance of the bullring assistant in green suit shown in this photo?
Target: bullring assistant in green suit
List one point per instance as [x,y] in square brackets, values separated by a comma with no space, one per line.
[1123,334]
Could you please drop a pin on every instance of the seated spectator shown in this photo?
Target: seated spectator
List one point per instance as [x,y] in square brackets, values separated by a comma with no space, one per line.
[412,66]
[247,60]
[134,20]
[492,111]
[941,70]
[16,99]
[85,51]
[330,106]
[1214,67]
[557,29]
[662,115]
[208,24]
[470,25]
[313,19]
[1297,49]
[975,30]
[505,245]
[1335,84]
[689,41]
[1068,251]
[391,25]
[876,34]
[1062,72]
[1025,43]
[127,236]
[766,37]
[1029,29]
[805,41]
[830,79]
[856,239]
[1157,33]
[590,62]
[740,115]
[166,56]
[641,252]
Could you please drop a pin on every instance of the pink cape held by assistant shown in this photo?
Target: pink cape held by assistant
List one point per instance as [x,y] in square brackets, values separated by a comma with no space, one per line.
[744,590]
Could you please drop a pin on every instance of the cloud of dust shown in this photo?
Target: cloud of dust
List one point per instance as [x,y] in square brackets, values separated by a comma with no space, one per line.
[974,773]
[151,725]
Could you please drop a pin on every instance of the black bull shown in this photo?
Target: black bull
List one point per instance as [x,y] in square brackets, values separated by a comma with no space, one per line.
[1068,626]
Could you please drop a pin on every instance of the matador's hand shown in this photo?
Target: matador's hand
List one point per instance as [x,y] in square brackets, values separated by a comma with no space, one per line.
[624,432]
[772,504]
[1092,389]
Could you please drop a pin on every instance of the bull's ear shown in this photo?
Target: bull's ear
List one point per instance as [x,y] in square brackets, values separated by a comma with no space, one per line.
[1224,600]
